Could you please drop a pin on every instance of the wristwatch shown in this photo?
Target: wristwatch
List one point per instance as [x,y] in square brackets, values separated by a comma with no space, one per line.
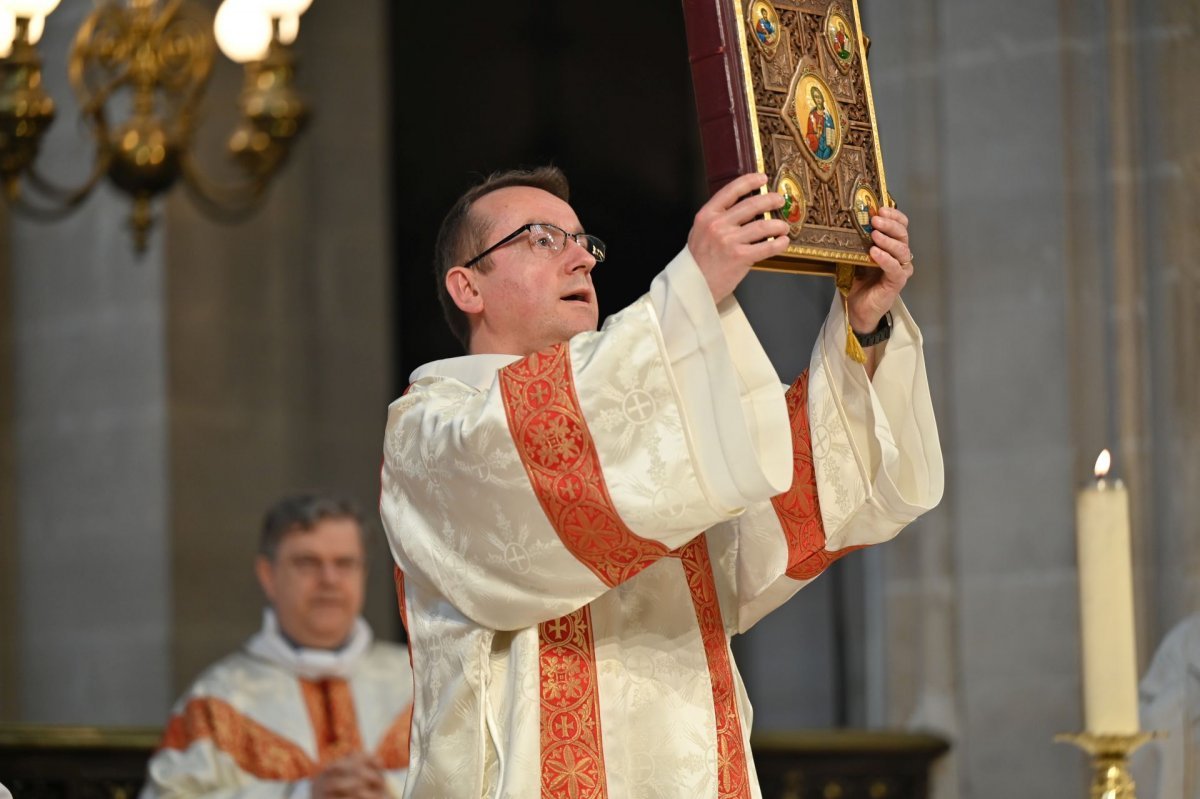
[881,333]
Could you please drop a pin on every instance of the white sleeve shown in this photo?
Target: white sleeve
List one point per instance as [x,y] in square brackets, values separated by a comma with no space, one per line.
[867,462]
[879,460]
[730,392]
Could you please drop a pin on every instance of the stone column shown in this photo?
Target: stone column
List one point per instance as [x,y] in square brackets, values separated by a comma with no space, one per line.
[1169,57]
[279,336]
[89,422]
[980,595]
[9,668]
[918,661]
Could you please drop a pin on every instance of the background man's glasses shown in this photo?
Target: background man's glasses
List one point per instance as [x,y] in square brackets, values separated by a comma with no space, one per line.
[546,240]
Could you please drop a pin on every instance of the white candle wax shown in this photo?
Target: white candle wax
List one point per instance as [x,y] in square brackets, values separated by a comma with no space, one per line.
[1106,604]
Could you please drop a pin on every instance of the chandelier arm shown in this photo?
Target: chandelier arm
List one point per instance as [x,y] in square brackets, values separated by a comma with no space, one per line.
[182,13]
[40,213]
[161,51]
[93,108]
[69,198]
[225,203]
[168,12]
[84,69]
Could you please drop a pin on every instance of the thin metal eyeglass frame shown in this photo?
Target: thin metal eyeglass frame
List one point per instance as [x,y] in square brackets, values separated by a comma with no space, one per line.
[591,250]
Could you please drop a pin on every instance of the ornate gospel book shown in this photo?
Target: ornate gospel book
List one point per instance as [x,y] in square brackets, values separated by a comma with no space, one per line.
[782,87]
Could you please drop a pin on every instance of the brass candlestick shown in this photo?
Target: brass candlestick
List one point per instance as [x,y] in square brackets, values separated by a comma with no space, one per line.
[1110,761]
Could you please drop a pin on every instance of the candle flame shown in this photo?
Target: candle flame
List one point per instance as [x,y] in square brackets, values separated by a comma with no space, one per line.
[1103,463]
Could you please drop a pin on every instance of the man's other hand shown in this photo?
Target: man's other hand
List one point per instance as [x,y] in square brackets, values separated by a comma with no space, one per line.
[356,776]
[730,234]
[874,294]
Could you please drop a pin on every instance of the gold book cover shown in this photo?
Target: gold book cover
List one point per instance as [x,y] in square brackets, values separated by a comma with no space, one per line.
[782,87]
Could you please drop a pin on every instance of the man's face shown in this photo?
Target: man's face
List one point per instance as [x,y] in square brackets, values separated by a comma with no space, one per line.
[316,582]
[530,302]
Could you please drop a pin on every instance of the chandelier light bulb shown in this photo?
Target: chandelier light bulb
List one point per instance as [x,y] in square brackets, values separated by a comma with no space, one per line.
[37,26]
[289,28]
[243,30]
[30,8]
[8,29]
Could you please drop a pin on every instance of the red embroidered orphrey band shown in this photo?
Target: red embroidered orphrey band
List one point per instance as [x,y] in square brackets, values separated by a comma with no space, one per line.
[733,777]
[401,601]
[572,748]
[559,455]
[264,753]
[798,508]
[331,712]
[257,750]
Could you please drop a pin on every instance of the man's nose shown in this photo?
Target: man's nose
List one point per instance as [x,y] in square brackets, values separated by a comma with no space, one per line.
[580,257]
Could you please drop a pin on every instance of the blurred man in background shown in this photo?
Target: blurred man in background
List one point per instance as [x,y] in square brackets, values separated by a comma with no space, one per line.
[311,705]
[1169,699]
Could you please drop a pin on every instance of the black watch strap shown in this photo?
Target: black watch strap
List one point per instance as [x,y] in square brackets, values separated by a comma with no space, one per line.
[881,333]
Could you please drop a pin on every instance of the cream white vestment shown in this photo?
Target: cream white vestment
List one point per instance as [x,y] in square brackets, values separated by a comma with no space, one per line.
[1169,700]
[579,532]
[261,722]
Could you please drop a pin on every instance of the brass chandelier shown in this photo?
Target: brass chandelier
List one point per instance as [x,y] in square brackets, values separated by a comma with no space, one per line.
[139,69]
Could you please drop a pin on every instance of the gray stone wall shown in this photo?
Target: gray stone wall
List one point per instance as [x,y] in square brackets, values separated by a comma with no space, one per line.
[89,420]
[160,402]
[279,331]
[1168,56]
[1061,305]
[9,617]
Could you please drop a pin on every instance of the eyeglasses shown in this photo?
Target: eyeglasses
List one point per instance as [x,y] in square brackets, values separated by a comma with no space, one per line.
[312,567]
[546,240]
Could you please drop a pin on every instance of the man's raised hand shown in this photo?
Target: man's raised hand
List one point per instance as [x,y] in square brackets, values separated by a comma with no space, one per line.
[873,296]
[730,235]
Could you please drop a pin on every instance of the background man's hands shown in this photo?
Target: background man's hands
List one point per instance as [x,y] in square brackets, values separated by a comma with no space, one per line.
[356,776]
[873,295]
[730,235]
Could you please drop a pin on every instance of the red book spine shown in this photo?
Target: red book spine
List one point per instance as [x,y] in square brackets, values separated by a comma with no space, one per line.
[719,84]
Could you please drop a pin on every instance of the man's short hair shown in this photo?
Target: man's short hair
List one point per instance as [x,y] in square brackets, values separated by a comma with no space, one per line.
[302,512]
[461,236]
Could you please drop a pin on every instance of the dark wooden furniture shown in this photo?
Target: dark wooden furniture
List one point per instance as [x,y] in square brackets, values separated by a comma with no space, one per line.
[846,764]
[42,762]
[53,762]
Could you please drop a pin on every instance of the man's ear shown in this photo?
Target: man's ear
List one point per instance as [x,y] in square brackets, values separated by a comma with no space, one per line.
[264,570]
[460,283]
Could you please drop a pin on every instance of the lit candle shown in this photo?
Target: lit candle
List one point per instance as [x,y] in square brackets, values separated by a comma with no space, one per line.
[1106,604]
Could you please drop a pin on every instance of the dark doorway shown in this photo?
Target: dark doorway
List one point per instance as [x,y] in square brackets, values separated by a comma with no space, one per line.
[603,90]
